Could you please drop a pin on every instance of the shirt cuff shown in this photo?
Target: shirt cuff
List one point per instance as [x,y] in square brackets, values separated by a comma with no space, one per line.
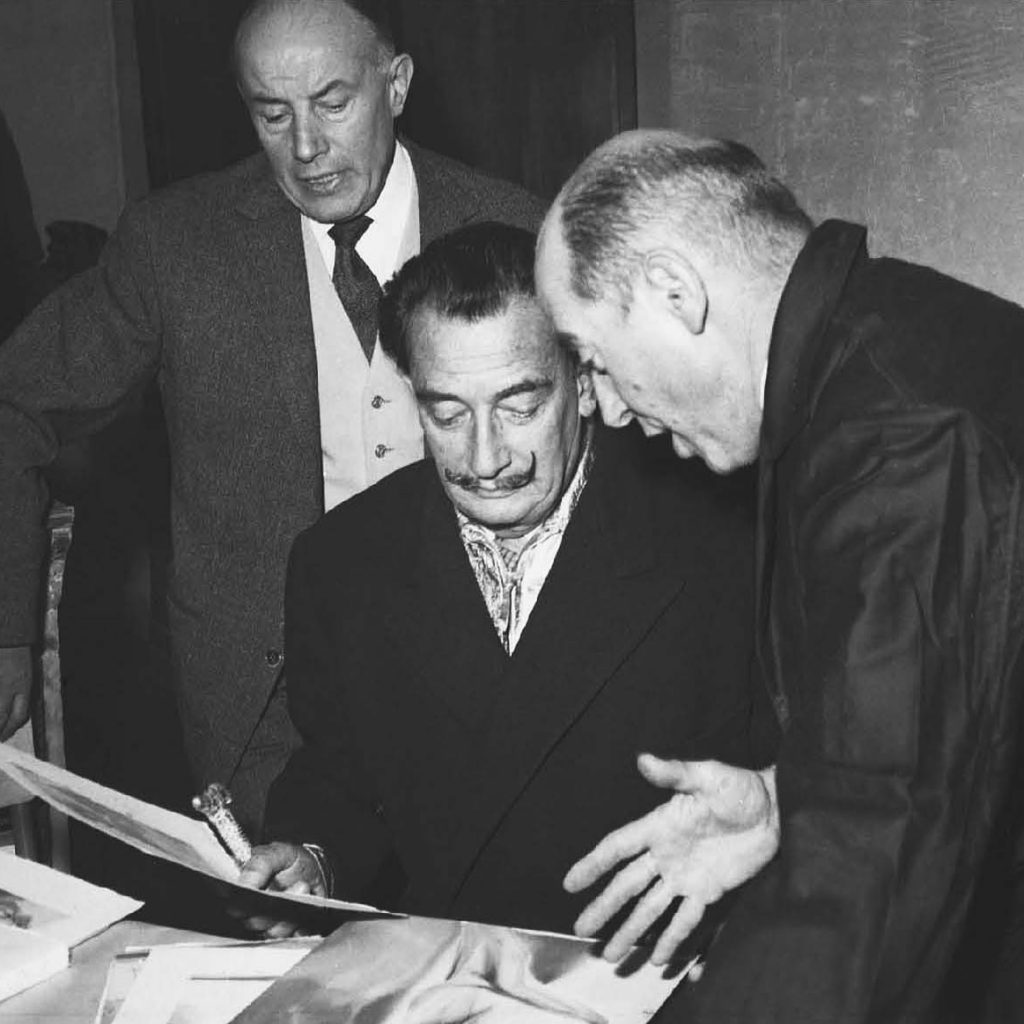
[323,863]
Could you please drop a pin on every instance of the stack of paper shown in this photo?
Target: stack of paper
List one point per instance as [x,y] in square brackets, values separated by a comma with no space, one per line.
[194,984]
[43,913]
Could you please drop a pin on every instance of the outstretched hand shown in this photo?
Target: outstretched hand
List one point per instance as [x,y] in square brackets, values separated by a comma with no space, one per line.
[719,829]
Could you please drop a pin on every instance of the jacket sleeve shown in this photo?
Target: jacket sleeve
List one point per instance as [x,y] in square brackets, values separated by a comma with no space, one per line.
[895,633]
[325,794]
[83,354]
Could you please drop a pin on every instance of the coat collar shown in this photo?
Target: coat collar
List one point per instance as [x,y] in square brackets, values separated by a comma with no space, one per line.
[259,195]
[446,199]
[808,303]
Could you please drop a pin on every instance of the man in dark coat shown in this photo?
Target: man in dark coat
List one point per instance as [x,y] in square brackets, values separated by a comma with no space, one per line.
[480,645]
[216,288]
[882,403]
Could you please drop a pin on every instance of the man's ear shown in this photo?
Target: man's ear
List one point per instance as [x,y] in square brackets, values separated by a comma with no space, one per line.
[399,79]
[678,285]
[586,397]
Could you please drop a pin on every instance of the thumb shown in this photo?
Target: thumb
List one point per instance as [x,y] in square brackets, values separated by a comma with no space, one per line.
[681,776]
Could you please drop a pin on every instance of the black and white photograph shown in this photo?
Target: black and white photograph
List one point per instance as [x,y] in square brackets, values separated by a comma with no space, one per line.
[481,478]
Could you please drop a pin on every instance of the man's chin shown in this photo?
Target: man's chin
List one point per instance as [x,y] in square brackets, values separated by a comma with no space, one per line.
[327,206]
[506,513]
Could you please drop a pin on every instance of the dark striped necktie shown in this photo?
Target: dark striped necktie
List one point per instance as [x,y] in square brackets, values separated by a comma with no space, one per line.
[355,283]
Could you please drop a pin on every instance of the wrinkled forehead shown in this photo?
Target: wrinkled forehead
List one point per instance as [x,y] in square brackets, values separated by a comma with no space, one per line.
[297,32]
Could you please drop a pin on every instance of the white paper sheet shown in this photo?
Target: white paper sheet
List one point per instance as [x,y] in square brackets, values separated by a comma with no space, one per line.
[154,830]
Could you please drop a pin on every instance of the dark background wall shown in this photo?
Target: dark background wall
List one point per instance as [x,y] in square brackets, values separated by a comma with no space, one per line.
[69,92]
[906,115]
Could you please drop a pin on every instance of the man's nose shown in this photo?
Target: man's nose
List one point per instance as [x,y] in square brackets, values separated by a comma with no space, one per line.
[308,141]
[490,455]
[614,410]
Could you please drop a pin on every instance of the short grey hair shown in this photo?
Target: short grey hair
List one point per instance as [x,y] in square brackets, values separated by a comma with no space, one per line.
[711,194]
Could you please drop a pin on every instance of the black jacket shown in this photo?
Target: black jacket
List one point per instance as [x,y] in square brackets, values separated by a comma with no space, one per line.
[483,777]
[891,615]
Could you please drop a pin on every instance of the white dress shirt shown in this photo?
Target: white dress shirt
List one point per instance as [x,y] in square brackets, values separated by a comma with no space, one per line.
[369,424]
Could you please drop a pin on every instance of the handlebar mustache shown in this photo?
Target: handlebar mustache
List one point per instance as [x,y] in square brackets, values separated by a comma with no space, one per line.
[470,482]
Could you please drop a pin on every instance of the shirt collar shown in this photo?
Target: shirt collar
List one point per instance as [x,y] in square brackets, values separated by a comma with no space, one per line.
[382,242]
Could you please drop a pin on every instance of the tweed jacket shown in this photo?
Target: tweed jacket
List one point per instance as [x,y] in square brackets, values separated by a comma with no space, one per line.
[448,778]
[891,615]
[202,287]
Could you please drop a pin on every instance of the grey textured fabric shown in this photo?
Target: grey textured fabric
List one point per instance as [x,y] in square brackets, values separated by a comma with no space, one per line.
[202,287]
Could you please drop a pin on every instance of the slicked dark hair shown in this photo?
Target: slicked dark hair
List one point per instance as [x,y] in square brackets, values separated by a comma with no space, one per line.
[715,194]
[470,274]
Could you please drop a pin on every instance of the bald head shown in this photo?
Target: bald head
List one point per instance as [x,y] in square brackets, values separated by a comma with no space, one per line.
[371,19]
[323,92]
[710,198]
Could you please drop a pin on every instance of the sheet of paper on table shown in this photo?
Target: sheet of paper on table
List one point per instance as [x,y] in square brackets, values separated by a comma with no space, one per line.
[43,913]
[194,983]
[423,971]
[154,830]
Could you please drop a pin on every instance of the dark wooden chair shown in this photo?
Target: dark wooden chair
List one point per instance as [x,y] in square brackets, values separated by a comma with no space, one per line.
[40,832]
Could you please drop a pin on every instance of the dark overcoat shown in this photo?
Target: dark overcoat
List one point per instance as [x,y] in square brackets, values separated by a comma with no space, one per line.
[891,618]
[449,779]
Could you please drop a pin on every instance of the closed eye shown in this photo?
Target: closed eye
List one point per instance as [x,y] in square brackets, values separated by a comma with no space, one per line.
[445,414]
[522,411]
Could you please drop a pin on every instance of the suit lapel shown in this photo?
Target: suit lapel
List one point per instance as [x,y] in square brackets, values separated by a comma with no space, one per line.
[445,201]
[453,643]
[606,588]
[277,293]
[797,355]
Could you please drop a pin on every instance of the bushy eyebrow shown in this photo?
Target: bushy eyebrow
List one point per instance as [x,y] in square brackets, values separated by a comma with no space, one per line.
[335,83]
[523,387]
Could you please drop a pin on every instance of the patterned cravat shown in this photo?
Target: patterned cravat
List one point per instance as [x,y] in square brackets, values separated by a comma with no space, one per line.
[356,286]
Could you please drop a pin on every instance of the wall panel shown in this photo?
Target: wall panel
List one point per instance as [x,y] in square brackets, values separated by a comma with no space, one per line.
[906,115]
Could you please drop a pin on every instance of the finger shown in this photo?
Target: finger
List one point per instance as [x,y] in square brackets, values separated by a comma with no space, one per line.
[651,906]
[267,862]
[255,875]
[300,887]
[259,924]
[280,930]
[696,971]
[682,776]
[629,882]
[622,844]
[16,717]
[685,919]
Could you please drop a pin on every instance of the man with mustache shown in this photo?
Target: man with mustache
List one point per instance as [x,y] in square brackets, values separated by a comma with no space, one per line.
[249,297]
[481,644]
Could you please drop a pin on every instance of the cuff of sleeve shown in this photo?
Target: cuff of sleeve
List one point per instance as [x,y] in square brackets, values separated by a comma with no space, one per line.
[323,863]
